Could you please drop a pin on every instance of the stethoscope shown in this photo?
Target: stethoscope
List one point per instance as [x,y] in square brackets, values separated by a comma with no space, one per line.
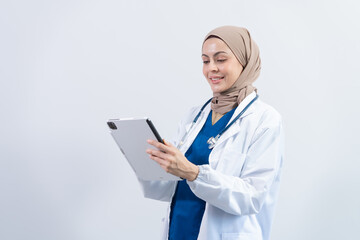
[213,140]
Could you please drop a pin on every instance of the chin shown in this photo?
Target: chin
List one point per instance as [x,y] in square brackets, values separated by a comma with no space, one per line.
[217,89]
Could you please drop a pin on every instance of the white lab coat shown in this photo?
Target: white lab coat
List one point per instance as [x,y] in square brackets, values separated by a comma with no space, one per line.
[241,181]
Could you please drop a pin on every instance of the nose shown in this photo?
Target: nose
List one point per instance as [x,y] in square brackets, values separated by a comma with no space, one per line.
[212,66]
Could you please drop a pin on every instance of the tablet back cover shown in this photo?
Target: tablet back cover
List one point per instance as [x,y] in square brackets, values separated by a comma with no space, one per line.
[130,136]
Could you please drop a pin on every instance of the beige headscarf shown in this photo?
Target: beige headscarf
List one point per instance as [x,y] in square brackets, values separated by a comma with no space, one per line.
[247,53]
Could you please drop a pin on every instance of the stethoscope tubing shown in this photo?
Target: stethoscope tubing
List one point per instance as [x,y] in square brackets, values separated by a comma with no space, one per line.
[212,141]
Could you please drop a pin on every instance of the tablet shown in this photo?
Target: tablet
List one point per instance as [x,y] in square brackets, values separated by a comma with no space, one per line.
[130,135]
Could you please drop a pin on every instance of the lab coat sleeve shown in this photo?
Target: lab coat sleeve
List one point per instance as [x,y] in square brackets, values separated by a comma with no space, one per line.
[158,190]
[244,194]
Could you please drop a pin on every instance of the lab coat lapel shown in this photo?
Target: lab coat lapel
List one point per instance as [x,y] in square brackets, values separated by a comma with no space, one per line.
[196,128]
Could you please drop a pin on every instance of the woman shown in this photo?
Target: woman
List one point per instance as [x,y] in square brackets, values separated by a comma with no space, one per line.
[230,182]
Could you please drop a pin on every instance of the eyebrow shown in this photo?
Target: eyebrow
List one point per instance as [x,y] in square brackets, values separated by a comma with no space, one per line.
[217,53]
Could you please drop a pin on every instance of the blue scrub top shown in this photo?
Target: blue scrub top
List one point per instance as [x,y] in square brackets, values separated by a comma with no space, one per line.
[186,209]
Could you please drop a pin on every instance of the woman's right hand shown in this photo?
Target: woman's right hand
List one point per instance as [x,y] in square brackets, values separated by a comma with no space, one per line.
[172,160]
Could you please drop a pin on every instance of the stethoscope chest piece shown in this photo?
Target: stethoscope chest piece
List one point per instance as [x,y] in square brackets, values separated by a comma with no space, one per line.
[212,141]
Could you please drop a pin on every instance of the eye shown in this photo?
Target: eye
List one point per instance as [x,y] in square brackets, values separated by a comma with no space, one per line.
[221,60]
[206,61]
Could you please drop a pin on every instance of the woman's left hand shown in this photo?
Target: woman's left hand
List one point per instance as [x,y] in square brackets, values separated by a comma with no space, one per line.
[172,160]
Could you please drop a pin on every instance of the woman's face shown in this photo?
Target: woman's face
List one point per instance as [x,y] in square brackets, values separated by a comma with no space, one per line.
[220,66]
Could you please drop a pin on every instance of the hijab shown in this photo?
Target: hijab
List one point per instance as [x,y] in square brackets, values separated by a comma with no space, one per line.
[247,53]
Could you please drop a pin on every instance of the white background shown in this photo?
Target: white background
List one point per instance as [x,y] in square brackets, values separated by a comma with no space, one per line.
[68,66]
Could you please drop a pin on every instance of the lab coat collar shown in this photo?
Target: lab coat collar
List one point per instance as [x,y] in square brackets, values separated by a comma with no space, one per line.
[242,105]
[234,128]
[238,109]
[201,121]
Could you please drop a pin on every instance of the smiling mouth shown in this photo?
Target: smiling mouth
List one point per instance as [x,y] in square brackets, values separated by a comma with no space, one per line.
[216,79]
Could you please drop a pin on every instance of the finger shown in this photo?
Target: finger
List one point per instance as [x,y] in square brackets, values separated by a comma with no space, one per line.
[166,146]
[159,145]
[157,153]
[163,163]
[154,151]
[171,149]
